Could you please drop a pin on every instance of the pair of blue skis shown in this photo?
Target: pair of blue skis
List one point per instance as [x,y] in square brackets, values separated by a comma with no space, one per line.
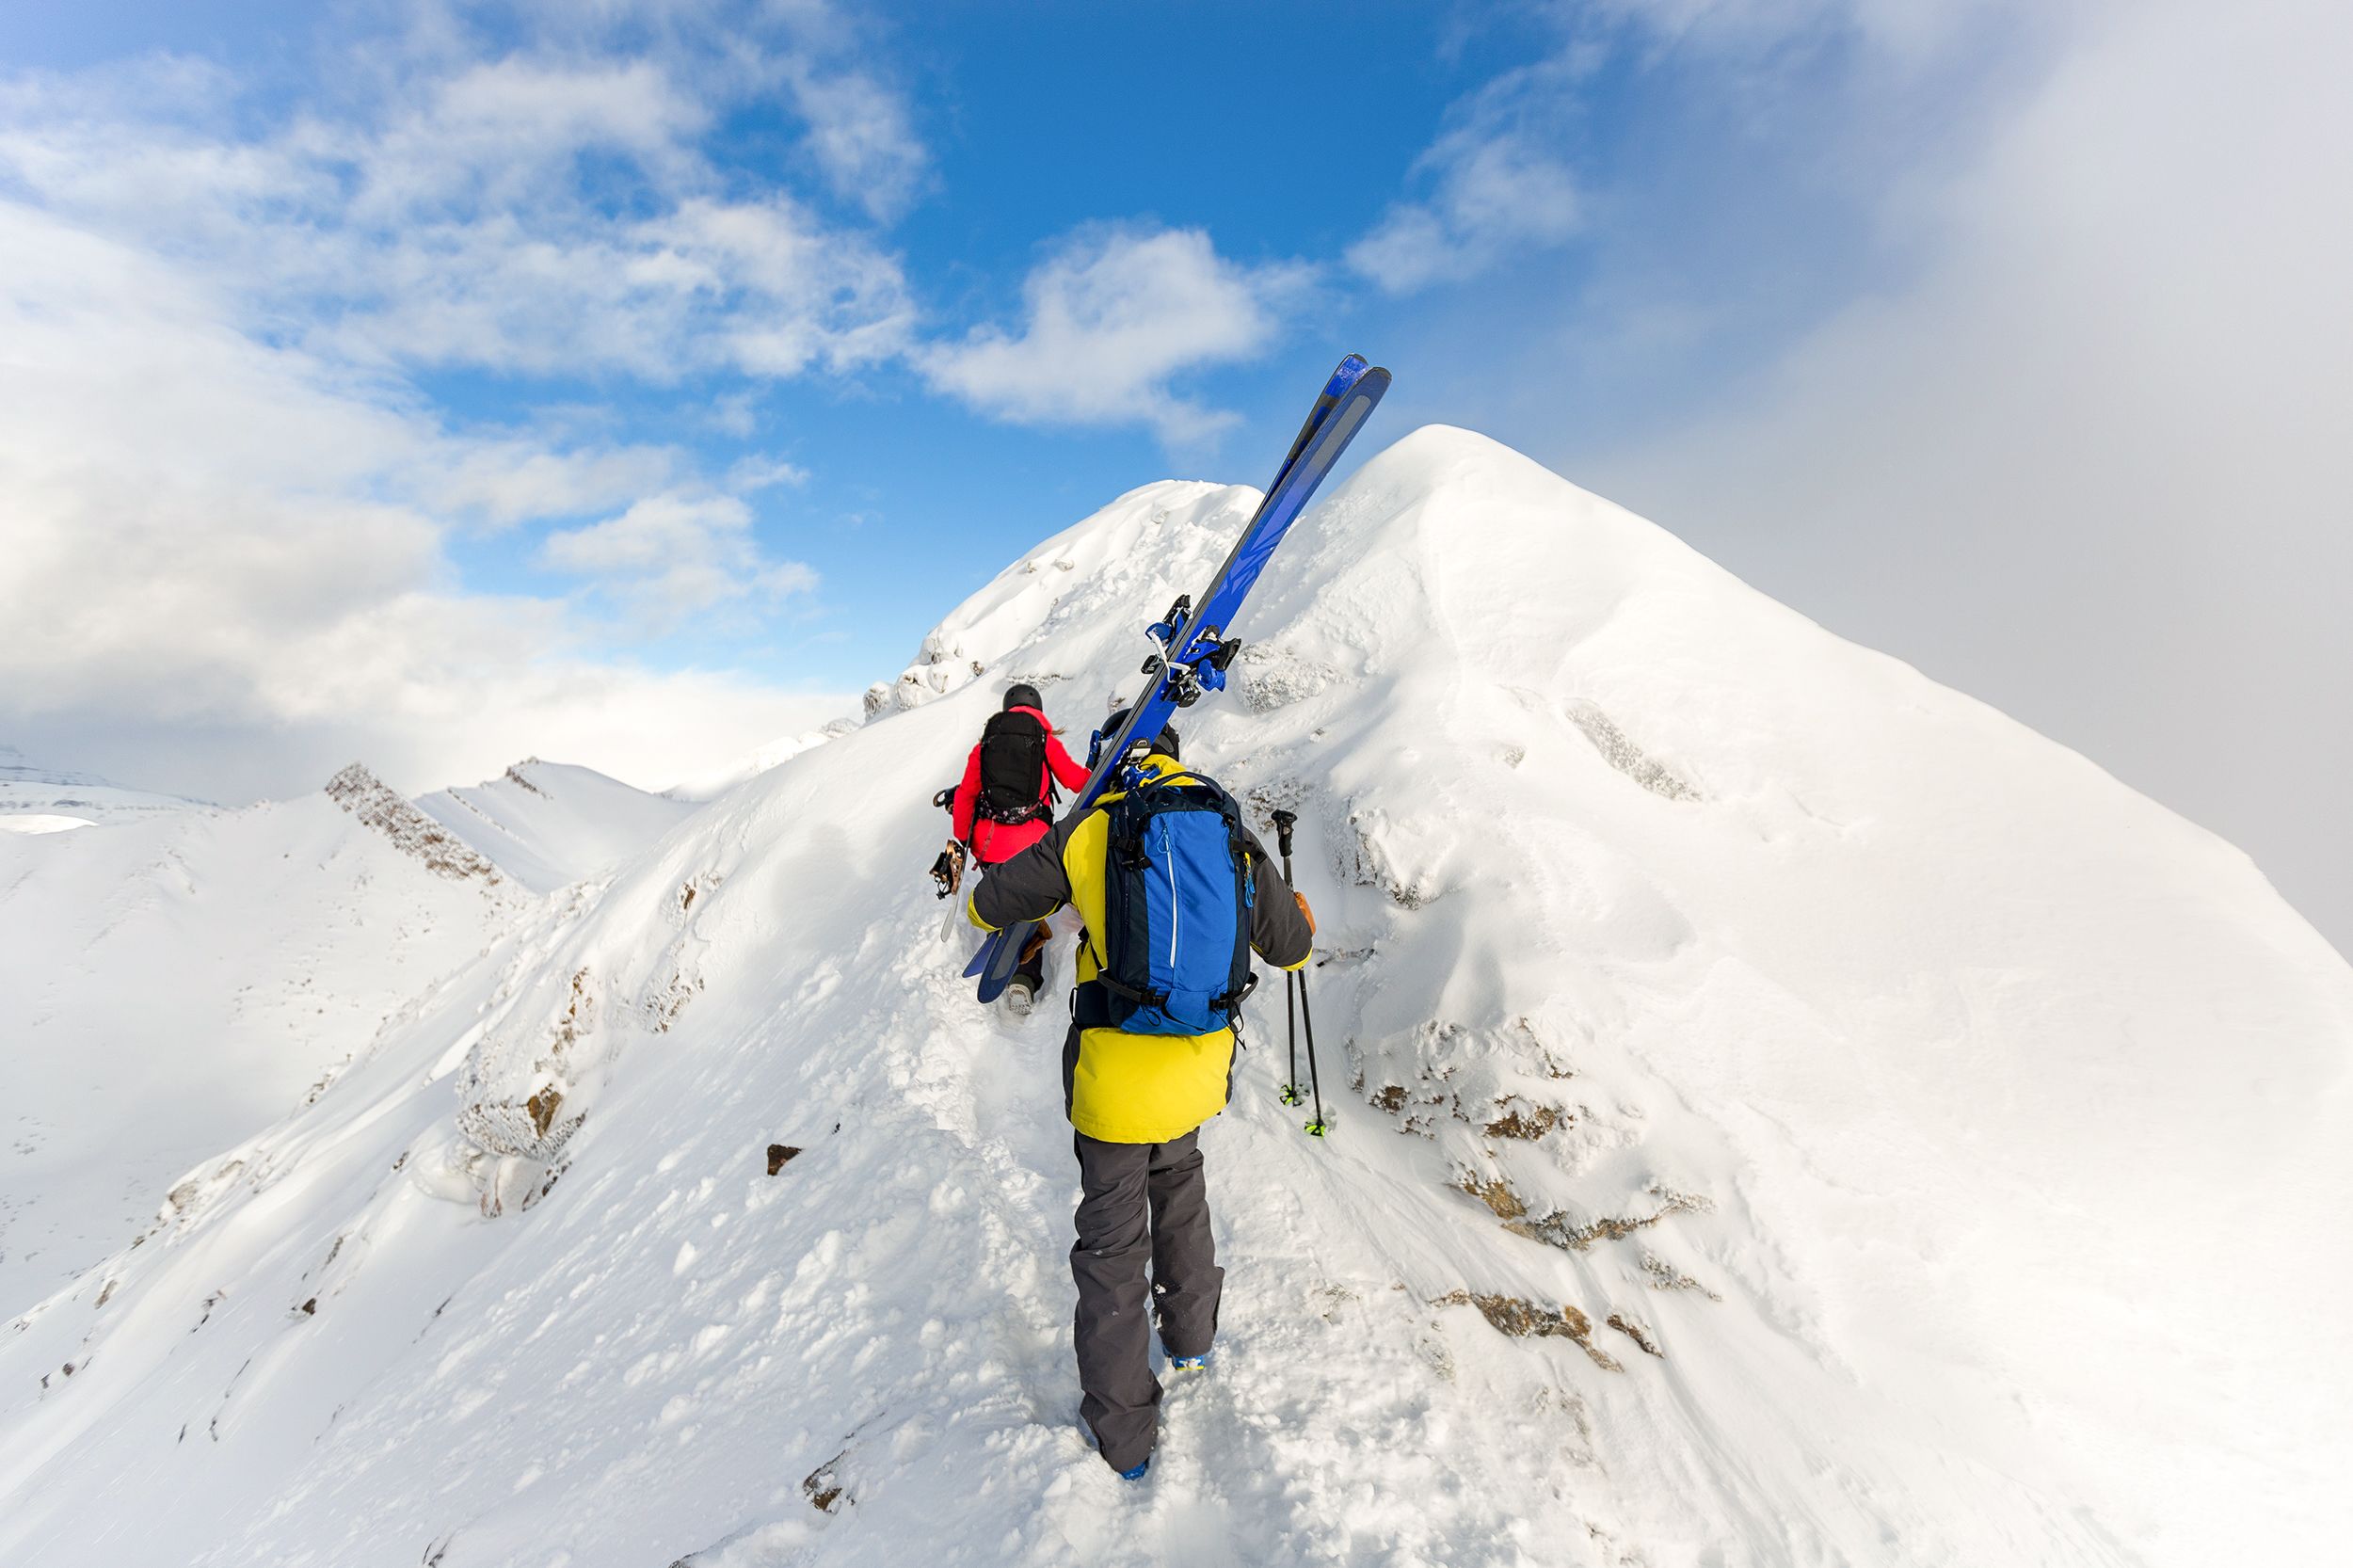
[1194,645]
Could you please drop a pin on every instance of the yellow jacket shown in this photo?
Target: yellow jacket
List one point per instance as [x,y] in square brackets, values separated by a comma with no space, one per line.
[1123,1088]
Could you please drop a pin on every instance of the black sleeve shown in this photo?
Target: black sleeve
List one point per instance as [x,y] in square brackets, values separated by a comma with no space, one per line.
[1277,929]
[1029,886]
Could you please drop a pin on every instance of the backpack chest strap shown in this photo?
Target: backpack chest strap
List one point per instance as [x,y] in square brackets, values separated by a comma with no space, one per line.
[1090,1002]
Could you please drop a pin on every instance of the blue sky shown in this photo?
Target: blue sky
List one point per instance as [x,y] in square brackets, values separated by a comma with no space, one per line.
[1281,134]
[635,381]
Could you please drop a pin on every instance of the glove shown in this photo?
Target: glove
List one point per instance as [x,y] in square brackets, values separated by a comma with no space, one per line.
[948,871]
[1304,912]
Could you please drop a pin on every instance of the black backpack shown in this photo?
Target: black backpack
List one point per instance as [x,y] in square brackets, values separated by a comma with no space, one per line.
[1012,761]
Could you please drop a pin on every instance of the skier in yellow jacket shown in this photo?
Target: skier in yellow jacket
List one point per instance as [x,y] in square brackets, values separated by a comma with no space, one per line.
[1136,1101]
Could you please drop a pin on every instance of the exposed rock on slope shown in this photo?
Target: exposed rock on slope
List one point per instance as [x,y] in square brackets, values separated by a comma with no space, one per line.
[408,829]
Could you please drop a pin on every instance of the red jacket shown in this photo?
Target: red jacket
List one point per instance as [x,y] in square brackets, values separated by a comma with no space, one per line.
[994,841]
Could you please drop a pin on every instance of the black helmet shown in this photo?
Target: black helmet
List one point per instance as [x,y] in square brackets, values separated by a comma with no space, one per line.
[1164,743]
[1022,695]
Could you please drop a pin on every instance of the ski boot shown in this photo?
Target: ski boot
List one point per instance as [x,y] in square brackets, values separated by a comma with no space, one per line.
[1086,1434]
[1187,1363]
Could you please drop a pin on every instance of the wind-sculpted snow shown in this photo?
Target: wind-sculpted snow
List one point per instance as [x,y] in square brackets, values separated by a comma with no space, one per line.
[548,824]
[710,786]
[1862,1152]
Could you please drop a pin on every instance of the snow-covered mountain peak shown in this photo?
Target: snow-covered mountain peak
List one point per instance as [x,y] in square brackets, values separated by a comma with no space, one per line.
[1769,1090]
[1175,529]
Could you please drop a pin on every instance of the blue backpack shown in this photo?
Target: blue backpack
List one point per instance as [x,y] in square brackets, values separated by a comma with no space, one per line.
[1178,888]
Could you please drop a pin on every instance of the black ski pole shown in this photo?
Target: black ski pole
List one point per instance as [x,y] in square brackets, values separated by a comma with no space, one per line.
[1284,821]
[1290,1095]
[1290,1008]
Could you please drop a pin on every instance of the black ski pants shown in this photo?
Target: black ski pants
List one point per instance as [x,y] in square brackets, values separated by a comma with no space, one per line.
[1033,965]
[1144,1206]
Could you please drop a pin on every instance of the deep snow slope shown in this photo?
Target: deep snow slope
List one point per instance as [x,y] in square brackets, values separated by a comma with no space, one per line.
[548,824]
[177,981]
[712,785]
[1786,1114]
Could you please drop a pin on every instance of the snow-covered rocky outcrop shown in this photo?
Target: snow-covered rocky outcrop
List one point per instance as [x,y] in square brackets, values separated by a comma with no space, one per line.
[1786,1114]
[405,827]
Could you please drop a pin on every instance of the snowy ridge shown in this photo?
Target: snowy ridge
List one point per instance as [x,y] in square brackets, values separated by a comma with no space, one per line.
[1770,1092]
[707,787]
[406,828]
[548,824]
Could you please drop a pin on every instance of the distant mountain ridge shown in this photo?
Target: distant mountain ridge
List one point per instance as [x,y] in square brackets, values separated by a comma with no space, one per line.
[29,789]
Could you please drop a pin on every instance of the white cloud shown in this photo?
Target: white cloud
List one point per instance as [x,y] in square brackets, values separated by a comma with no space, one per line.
[497,135]
[2089,464]
[735,414]
[671,557]
[510,480]
[535,213]
[758,472]
[227,515]
[862,136]
[1903,28]
[1111,317]
[1499,183]
[225,562]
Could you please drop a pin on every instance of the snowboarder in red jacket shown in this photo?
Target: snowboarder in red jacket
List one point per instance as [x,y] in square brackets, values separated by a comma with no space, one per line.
[1006,804]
